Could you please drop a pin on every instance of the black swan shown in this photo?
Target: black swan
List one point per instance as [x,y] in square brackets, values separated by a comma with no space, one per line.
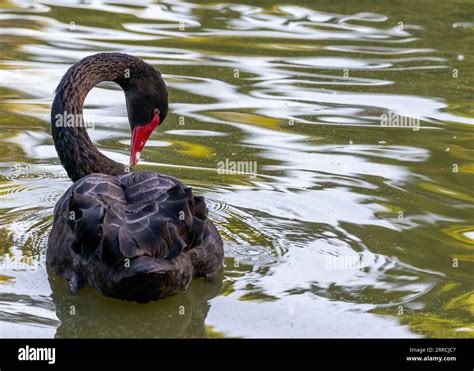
[137,236]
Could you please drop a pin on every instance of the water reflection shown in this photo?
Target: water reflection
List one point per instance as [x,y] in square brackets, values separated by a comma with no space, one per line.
[91,315]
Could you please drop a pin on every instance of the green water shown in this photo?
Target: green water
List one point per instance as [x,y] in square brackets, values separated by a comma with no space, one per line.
[349,228]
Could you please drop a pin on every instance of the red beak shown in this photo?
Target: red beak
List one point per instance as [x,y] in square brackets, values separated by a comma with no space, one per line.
[140,136]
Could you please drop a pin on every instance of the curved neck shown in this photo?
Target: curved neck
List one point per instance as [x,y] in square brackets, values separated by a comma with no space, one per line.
[77,153]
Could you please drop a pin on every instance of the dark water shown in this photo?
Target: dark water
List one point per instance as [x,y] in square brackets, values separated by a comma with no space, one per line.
[349,228]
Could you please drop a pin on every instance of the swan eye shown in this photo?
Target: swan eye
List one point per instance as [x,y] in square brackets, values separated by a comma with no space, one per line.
[156,112]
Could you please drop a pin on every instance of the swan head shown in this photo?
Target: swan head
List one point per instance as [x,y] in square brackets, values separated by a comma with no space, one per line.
[147,106]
